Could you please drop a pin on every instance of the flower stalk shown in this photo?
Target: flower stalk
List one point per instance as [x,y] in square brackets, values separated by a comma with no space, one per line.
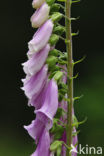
[70,74]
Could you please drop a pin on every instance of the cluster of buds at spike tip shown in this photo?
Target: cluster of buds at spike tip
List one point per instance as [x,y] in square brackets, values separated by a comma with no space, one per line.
[45,84]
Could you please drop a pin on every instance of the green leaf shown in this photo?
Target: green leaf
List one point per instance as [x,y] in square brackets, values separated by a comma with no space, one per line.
[56,17]
[58,75]
[55,145]
[53,39]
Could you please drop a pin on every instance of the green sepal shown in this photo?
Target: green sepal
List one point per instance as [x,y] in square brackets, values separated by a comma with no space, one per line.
[50,2]
[54,8]
[82,59]
[74,77]
[75,34]
[59,30]
[76,124]
[56,17]
[60,112]
[62,86]
[74,19]
[75,121]
[58,153]
[55,145]
[57,129]
[53,39]
[75,133]
[58,75]
[63,56]
[76,1]
[61,62]
[78,97]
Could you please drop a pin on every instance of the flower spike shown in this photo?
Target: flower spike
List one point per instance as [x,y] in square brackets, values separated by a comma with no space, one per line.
[48,84]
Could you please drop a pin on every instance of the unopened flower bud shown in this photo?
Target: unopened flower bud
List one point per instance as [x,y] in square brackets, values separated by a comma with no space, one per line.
[37,3]
[40,16]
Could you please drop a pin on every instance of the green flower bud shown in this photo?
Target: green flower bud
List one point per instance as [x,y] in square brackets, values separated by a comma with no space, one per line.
[54,52]
[53,39]
[58,75]
[59,30]
[54,8]
[51,61]
[56,17]
[55,145]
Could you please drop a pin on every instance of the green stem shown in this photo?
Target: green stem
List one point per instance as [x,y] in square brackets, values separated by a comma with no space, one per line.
[70,74]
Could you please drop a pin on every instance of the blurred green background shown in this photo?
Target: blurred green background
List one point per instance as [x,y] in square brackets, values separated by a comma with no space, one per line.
[15,32]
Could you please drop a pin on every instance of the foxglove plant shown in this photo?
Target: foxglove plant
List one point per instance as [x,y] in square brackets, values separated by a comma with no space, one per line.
[49,81]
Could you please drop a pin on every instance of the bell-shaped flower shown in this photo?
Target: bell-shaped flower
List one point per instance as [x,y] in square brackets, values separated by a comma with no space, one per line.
[37,101]
[35,129]
[35,63]
[37,3]
[41,37]
[40,16]
[43,145]
[50,102]
[34,85]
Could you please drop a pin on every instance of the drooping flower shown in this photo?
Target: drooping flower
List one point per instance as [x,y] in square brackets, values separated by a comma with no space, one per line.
[43,145]
[35,63]
[39,128]
[45,114]
[41,37]
[50,103]
[40,16]
[33,86]
[37,3]
[35,129]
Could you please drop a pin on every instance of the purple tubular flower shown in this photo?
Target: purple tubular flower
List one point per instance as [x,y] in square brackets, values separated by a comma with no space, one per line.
[35,63]
[43,145]
[37,3]
[41,37]
[40,16]
[35,129]
[37,101]
[50,103]
[34,85]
